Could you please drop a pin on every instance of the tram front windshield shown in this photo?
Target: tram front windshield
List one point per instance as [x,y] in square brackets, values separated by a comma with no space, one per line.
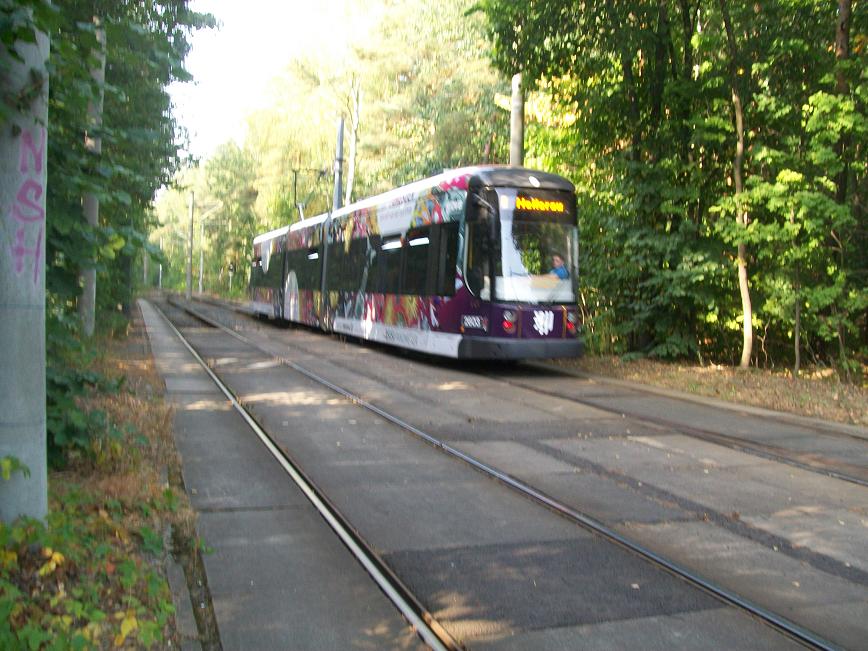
[538,257]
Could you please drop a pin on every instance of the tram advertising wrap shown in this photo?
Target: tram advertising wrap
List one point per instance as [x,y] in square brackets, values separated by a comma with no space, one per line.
[477,263]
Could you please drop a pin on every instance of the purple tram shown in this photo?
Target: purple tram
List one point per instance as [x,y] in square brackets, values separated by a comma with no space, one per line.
[476,263]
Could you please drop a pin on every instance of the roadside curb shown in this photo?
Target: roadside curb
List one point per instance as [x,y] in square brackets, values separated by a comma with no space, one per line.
[185,619]
[795,419]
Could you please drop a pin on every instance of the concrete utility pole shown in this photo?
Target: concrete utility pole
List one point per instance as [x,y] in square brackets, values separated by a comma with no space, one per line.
[201,253]
[355,119]
[339,166]
[516,124]
[23,150]
[90,202]
[189,292]
[202,219]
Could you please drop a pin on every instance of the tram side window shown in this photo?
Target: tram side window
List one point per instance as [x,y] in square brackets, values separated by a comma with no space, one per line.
[309,278]
[306,271]
[292,262]
[354,265]
[416,261]
[389,258]
[256,271]
[336,264]
[447,255]
[274,272]
[366,252]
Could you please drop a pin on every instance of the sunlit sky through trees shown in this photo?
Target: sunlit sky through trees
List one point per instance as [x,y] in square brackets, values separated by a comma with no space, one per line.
[233,65]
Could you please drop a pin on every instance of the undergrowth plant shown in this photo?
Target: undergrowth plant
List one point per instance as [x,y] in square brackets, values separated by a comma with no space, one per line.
[86,578]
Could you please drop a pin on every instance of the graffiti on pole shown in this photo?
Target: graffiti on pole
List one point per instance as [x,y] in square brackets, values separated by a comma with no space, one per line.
[27,208]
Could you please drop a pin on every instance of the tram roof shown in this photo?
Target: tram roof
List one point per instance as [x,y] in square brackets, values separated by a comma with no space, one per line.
[309,221]
[479,175]
[270,235]
[521,177]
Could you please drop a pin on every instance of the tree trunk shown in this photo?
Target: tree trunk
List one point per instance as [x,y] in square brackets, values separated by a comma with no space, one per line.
[842,52]
[797,339]
[797,327]
[23,150]
[741,213]
[688,26]
[662,39]
[188,294]
[339,167]
[486,153]
[90,202]
[626,58]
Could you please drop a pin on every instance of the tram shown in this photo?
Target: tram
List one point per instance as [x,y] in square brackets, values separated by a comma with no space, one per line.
[475,263]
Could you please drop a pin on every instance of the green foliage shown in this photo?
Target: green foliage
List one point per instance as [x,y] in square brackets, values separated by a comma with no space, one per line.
[79,580]
[146,44]
[72,428]
[430,95]
[19,23]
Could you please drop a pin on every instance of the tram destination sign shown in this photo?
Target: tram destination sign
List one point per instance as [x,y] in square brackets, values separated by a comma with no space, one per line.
[535,204]
[550,206]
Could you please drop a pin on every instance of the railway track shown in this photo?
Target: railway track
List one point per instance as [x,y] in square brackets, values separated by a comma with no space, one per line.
[426,626]
[782,624]
[809,461]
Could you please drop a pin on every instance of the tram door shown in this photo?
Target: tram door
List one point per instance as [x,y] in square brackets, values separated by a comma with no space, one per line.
[477,271]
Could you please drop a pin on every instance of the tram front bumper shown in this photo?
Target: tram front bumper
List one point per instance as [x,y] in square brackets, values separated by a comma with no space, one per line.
[510,348]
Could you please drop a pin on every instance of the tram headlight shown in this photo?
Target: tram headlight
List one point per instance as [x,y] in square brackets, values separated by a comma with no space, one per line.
[509,318]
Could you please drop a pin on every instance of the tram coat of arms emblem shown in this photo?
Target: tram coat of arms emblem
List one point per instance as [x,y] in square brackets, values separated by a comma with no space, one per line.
[543,321]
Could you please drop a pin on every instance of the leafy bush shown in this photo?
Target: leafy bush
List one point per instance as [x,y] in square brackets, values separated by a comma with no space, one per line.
[76,428]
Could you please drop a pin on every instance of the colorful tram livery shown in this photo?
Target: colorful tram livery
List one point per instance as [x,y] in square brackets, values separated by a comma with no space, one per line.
[477,263]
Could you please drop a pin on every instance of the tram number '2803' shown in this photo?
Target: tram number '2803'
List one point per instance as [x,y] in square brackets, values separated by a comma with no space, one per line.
[474,322]
[543,321]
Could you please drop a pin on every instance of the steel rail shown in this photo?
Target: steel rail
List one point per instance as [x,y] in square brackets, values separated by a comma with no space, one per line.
[431,631]
[776,621]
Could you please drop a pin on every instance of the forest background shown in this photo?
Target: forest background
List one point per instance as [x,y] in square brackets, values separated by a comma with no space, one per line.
[718,152]
[698,134]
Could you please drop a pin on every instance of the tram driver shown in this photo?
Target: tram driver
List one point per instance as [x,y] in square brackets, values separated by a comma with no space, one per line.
[558,268]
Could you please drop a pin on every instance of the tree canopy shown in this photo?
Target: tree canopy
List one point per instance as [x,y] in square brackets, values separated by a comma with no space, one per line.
[646,100]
